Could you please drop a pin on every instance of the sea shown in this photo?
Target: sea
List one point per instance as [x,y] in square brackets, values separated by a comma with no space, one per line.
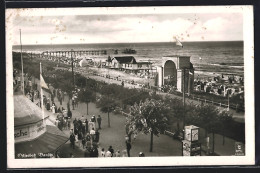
[214,58]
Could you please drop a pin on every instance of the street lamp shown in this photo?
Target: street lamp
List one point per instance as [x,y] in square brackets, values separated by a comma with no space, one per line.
[199,64]
[73,79]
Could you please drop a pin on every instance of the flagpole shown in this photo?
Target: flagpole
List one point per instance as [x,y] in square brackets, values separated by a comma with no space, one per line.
[22,80]
[189,83]
[183,92]
[42,106]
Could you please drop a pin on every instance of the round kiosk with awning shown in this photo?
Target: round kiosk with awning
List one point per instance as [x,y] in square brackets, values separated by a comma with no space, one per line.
[35,134]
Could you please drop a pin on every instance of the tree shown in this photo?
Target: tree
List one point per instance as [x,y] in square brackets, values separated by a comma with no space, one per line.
[87,95]
[209,120]
[225,119]
[150,116]
[107,104]
[80,81]
[176,110]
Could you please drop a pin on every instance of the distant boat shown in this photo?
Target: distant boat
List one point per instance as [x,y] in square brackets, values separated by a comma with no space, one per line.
[129,51]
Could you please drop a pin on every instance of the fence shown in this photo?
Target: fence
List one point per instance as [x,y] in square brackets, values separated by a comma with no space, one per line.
[202,100]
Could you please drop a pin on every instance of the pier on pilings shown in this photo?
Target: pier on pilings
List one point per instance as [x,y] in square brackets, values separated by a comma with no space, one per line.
[60,54]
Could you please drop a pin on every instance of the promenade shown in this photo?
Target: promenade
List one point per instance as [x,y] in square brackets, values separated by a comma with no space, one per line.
[115,136]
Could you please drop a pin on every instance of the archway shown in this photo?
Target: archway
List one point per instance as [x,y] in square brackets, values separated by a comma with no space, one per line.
[170,73]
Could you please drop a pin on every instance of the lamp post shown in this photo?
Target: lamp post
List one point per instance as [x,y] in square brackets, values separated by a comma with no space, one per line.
[183,92]
[228,101]
[149,73]
[199,64]
[73,78]
[22,79]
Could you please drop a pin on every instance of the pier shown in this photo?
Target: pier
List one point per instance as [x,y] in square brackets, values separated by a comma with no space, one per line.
[58,55]
[74,52]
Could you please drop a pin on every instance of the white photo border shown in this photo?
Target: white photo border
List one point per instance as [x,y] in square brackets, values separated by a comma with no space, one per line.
[248,35]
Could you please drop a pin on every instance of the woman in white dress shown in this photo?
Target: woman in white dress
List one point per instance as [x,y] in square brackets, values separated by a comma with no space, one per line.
[53,108]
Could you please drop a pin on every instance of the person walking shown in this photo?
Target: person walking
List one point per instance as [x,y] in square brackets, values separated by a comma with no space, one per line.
[75,121]
[59,98]
[80,136]
[88,138]
[108,154]
[53,108]
[111,150]
[92,133]
[128,147]
[83,128]
[93,119]
[68,123]
[124,153]
[103,153]
[94,151]
[87,152]
[48,106]
[86,126]
[62,95]
[141,154]
[118,154]
[97,136]
[84,142]
[73,103]
[99,119]
[72,141]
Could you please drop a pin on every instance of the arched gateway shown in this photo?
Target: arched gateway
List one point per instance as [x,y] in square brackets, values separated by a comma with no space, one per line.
[176,71]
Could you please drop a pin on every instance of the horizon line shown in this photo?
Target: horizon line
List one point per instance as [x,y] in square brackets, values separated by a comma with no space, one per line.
[129,42]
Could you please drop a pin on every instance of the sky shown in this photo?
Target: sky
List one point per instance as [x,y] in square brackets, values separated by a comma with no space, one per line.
[127,28]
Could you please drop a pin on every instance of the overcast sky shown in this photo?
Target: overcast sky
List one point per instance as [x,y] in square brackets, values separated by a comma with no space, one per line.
[128,28]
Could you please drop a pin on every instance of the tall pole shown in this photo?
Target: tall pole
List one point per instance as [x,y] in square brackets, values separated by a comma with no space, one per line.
[22,80]
[42,105]
[149,74]
[189,84]
[73,80]
[199,64]
[183,92]
[228,101]
[108,118]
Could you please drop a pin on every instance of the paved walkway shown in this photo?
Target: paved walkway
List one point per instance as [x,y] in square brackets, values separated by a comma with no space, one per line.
[115,135]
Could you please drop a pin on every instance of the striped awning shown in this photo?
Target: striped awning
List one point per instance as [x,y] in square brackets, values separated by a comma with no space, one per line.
[26,112]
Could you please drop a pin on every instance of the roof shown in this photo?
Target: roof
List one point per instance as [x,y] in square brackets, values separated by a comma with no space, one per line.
[179,56]
[48,142]
[26,112]
[125,59]
[144,62]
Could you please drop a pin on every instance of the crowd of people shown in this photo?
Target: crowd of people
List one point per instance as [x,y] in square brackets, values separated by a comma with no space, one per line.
[63,59]
[85,134]
[221,85]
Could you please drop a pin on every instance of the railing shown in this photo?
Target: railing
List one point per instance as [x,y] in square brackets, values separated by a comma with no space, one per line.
[202,100]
